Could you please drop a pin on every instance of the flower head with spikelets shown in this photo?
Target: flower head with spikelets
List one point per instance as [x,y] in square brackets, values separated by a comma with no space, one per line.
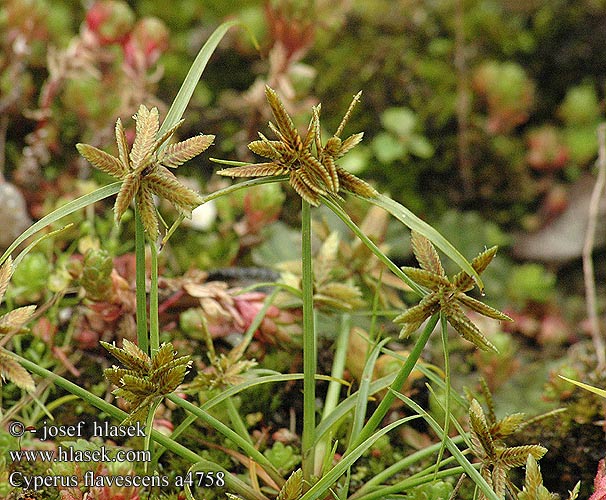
[144,171]
[447,296]
[311,173]
[497,459]
[10,324]
[145,380]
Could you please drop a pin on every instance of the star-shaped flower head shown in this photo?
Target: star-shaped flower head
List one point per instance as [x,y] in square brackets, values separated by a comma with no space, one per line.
[145,380]
[497,459]
[445,295]
[311,174]
[143,170]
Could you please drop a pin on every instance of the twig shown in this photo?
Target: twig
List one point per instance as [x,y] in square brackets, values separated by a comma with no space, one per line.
[590,293]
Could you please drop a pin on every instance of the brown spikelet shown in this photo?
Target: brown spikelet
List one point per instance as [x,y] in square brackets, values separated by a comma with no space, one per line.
[102,160]
[145,138]
[130,355]
[324,178]
[177,154]
[303,190]
[482,308]
[351,142]
[10,369]
[127,192]
[147,211]
[266,148]
[123,157]
[293,487]
[13,320]
[516,456]
[425,278]
[426,254]
[285,126]
[463,281]
[355,100]
[353,184]
[163,183]
[464,327]
[256,170]
[164,355]
[6,270]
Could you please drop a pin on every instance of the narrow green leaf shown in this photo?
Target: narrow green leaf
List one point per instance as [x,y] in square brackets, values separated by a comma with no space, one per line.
[322,486]
[193,76]
[595,390]
[414,223]
[65,210]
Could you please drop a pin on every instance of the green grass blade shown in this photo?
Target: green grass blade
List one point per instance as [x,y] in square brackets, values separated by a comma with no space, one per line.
[65,210]
[193,77]
[364,391]
[469,469]
[409,219]
[321,487]
[595,390]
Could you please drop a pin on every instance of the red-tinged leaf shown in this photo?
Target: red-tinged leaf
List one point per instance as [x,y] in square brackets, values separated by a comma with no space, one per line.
[599,483]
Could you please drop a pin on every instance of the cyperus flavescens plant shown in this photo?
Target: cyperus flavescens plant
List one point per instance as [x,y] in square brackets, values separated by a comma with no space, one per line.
[144,171]
[311,174]
[487,443]
[145,380]
[447,296]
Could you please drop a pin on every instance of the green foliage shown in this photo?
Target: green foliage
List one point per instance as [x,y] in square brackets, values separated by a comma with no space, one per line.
[531,282]
[282,456]
[438,490]
[30,278]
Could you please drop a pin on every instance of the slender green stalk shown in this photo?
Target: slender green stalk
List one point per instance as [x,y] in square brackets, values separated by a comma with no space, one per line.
[447,388]
[141,312]
[379,414]
[309,346]
[236,420]
[408,484]
[154,327]
[334,390]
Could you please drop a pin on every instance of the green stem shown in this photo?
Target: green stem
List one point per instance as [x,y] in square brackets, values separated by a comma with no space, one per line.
[374,483]
[154,327]
[408,484]
[309,347]
[334,390]
[236,420]
[141,312]
[379,414]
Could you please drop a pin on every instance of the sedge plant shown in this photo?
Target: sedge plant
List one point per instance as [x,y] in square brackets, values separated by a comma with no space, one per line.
[150,372]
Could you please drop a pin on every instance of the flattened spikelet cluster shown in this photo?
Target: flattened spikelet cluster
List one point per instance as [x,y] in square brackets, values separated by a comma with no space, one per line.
[145,379]
[447,296]
[497,459]
[12,323]
[312,173]
[144,171]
